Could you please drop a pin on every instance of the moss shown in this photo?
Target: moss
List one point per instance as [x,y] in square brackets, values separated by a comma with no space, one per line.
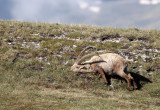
[44,72]
[55,33]
[111,46]
[76,35]
[155,93]
[2,32]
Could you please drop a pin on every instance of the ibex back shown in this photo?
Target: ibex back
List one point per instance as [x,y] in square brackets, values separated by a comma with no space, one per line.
[107,65]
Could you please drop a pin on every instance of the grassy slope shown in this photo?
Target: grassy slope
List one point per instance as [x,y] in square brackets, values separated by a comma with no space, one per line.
[39,77]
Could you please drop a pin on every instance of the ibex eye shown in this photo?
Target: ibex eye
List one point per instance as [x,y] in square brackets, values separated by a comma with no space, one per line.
[83,68]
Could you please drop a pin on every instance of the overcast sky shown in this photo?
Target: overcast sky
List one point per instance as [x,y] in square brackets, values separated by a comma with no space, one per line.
[114,13]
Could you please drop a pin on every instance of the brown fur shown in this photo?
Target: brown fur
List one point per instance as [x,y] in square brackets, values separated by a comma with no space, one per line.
[108,64]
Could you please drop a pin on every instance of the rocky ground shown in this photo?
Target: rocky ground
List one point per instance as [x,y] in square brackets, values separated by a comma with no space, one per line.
[36,59]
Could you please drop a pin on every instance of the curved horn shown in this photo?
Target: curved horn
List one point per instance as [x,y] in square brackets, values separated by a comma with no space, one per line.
[86,56]
[79,56]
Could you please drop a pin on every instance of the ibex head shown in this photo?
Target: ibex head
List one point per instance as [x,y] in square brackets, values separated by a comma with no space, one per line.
[78,66]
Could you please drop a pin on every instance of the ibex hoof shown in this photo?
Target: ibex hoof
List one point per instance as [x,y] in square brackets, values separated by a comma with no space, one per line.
[136,88]
[107,84]
[129,89]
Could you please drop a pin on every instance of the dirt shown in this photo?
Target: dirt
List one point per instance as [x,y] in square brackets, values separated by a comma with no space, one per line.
[107,37]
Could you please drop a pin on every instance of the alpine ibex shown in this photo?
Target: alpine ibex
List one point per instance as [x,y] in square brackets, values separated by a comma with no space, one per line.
[107,65]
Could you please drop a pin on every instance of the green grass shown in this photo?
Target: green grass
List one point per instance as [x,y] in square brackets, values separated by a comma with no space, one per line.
[39,78]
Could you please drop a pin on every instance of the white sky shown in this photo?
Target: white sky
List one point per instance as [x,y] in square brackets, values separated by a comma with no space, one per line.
[121,13]
[149,2]
[33,9]
[91,7]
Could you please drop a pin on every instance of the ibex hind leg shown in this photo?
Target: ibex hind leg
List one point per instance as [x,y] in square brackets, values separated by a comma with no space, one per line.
[134,82]
[127,78]
[131,78]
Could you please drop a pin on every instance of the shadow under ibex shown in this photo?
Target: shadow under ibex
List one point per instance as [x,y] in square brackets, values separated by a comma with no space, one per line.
[137,77]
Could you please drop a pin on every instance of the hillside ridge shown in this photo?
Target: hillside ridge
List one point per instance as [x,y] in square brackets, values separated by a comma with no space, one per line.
[36,59]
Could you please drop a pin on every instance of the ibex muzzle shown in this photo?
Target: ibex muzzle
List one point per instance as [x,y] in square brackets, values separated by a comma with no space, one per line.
[108,64]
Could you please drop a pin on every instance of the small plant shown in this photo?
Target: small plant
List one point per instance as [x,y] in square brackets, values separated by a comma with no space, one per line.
[40,77]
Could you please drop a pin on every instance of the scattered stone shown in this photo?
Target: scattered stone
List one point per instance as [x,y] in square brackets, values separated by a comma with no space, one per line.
[58,56]
[65,63]
[74,46]
[32,45]
[150,73]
